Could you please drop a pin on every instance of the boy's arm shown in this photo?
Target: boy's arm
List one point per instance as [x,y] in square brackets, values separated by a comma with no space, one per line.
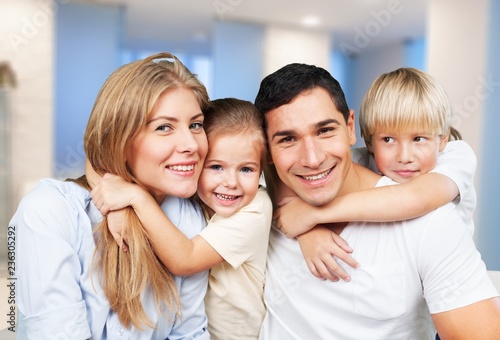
[387,203]
[182,256]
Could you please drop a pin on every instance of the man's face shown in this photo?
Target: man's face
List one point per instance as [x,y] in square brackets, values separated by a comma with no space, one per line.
[310,142]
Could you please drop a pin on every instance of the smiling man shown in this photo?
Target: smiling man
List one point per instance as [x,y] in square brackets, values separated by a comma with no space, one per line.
[414,274]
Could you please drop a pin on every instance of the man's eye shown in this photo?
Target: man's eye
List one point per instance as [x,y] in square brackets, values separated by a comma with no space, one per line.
[286,140]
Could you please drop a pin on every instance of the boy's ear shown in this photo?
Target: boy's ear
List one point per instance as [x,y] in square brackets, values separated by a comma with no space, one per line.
[443,142]
[369,146]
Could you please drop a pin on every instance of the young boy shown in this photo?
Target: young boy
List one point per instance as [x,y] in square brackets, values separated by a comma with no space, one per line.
[238,210]
[405,122]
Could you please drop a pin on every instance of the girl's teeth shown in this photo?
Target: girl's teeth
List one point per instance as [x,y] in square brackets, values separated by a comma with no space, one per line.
[226,197]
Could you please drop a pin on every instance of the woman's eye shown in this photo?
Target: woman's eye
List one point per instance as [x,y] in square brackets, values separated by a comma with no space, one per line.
[164,128]
[196,126]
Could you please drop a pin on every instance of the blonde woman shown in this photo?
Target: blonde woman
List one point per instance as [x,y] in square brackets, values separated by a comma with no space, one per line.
[72,279]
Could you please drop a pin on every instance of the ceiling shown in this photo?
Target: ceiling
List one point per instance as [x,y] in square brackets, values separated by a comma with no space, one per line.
[186,25]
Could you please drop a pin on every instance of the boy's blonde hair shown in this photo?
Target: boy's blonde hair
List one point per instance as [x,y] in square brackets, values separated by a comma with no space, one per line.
[405,99]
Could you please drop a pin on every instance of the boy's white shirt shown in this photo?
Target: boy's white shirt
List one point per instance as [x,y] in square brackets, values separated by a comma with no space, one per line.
[458,162]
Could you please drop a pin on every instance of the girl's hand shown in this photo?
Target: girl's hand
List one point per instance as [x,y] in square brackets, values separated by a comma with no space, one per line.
[115,193]
[117,225]
[322,248]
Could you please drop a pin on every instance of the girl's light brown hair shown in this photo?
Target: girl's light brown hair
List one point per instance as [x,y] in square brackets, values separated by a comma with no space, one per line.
[404,99]
[122,108]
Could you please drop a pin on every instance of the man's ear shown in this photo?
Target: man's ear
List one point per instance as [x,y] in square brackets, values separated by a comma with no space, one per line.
[351,127]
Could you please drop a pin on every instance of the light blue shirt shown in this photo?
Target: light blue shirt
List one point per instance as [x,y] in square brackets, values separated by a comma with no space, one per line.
[56,296]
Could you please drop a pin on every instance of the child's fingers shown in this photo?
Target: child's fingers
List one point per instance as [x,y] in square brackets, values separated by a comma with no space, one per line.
[342,243]
[330,269]
[313,270]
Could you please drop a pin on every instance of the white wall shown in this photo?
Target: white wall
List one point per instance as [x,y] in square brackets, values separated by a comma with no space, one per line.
[283,46]
[27,43]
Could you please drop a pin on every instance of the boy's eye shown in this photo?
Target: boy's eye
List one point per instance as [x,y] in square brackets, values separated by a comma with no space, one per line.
[419,139]
[388,139]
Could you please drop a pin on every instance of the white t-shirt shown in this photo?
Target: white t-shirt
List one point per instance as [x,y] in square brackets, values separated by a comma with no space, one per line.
[407,269]
[457,161]
[234,301]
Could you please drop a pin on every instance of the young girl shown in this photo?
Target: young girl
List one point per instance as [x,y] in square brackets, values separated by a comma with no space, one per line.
[72,281]
[405,122]
[238,210]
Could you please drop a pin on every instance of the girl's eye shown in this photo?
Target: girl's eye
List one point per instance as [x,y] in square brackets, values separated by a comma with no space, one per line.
[196,126]
[215,167]
[246,169]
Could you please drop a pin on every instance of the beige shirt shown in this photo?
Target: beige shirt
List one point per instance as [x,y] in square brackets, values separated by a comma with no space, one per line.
[234,301]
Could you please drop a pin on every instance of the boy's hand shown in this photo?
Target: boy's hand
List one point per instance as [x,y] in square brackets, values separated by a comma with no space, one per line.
[321,249]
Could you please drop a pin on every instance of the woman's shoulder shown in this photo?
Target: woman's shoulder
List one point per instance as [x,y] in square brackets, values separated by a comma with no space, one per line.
[185,214]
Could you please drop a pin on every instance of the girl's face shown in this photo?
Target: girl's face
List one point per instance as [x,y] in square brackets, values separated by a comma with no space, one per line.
[403,156]
[230,176]
[167,156]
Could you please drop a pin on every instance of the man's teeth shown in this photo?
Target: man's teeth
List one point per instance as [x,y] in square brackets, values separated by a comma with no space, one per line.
[316,177]
[226,197]
[182,167]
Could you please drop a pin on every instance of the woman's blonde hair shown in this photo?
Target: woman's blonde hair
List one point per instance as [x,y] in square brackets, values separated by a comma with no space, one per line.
[122,108]
[405,99]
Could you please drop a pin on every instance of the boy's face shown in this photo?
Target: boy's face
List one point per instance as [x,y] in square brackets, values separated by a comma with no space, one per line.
[230,177]
[309,142]
[403,156]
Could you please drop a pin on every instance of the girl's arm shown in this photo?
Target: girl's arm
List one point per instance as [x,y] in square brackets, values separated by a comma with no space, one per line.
[388,203]
[182,256]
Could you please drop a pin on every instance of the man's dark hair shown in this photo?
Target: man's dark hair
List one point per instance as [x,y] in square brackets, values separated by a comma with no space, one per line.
[281,87]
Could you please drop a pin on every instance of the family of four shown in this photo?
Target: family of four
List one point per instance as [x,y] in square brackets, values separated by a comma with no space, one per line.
[170,233]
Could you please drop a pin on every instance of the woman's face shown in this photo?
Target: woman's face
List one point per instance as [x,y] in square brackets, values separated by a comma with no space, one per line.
[168,154]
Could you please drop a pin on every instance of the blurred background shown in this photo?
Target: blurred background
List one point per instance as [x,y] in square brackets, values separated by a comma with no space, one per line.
[56,54]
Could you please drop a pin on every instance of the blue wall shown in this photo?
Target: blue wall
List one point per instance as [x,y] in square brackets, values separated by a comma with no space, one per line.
[488,228]
[87,38]
[238,68]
